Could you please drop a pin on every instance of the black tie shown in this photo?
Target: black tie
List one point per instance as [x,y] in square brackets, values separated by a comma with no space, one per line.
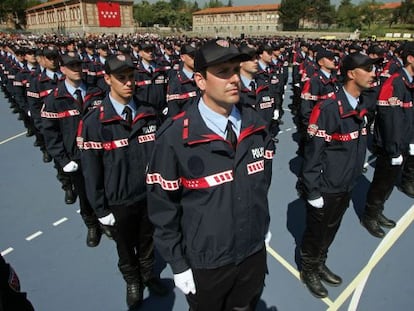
[79,98]
[231,135]
[55,78]
[128,115]
[253,86]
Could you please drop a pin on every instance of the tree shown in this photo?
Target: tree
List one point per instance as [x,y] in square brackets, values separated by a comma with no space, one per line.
[230,3]
[143,13]
[347,16]
[291,11]
[15,10]
[321,11]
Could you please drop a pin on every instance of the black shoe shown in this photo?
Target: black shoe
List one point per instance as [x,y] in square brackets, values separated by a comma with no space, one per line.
[70,196]
[46,157]
[29,132]
[156,287]
[313,282]
[275,140]
[37,143]
[134,295]
[94,236]
[373,227]
[328,276]
[385,222]
[20,117]
[107,230]
[407,189]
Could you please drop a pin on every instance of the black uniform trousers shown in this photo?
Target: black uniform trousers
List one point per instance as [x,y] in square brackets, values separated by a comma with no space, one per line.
[322,224]
[133,236]
[86,210]
[385,177]
[231,287]
[407,176]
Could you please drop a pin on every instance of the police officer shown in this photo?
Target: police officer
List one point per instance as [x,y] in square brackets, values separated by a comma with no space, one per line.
[117,139]
[333,160]
[61,115]
[393,141]
[181,88]
[207,188]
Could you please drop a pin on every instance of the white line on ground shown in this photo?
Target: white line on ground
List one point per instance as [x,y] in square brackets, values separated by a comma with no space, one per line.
[34,235]
[58,222]
[359,281]
[11,138]
[7,251]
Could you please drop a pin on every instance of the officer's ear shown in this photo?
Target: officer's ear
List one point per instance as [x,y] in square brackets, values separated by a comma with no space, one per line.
[107,79]
[200,80]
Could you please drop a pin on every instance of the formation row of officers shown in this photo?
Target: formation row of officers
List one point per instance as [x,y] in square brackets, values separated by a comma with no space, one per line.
[178,148]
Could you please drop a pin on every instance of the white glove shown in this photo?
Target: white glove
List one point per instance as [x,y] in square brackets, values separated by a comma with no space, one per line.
[165,111]
[71,167]
[411,149]
[185,282]
[276,114]
[397,161]
[29,113]
[268,237]
[318,203]
[108,220]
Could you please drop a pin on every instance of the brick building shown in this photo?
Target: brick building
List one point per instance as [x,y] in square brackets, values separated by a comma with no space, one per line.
[81,16]
[252,20]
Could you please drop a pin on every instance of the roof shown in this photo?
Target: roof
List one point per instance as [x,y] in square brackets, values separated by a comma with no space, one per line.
[239,9]
[390,5]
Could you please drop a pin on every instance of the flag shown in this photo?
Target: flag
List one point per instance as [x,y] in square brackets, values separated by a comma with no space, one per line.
[109,14]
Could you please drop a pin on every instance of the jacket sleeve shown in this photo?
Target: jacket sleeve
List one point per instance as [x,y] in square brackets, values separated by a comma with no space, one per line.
[314,148]
[164,208]
[92,165]
[52,132]
[390,117]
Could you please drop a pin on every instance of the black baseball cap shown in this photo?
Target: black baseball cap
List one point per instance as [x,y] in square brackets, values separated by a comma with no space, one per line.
[324,53]
[215,52]
[118,63]
[70,59]
[187,49]
[356,60]
[407,49]
[51,52]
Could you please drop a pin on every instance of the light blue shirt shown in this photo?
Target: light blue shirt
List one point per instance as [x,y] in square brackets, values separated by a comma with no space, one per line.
[51,73]
[217,122]
[72,89]
[119,108]
[189,74]
[246,82]
[147,66]
[410,78]
[326,74]
[352,100]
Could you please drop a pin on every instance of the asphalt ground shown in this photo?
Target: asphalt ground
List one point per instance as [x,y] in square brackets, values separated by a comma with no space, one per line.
[44,240]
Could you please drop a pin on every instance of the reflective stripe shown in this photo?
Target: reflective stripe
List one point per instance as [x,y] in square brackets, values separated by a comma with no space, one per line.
[208,181]
[266,105]
[33,94]
[394,102]
[144,82]
[45,93]
[60,115]
[156,178]
[255,167]
[146,138]
[181,96]
[269,154]
[110,145]
[17,83]
[340,137]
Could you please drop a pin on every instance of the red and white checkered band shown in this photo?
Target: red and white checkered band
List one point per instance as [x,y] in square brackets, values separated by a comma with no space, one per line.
[255,167]
[169,185]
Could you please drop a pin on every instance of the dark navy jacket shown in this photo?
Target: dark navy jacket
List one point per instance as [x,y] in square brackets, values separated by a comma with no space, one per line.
[207,201]
[115,156]
[335,151]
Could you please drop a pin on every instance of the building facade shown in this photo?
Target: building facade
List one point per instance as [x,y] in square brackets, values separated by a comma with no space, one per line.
[81,16]
[251,20]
